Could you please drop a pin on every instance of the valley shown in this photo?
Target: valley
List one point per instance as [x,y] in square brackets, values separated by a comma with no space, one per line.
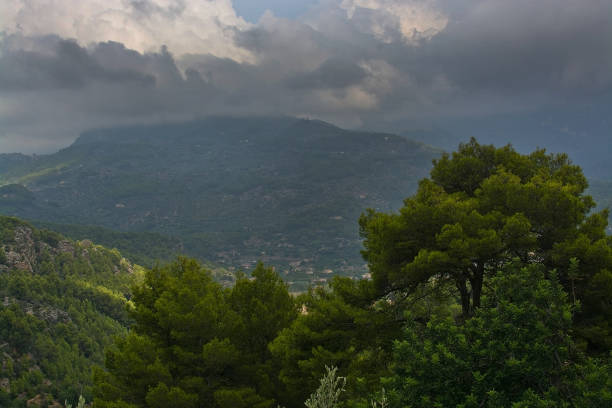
[229,191]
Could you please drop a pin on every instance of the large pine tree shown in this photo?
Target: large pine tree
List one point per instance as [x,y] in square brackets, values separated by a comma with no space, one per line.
[481,208]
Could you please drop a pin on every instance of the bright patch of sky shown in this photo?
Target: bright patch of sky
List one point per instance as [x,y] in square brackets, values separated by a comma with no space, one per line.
[252,10]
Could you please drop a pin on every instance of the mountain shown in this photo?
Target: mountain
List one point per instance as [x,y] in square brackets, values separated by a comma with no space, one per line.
[437,137]
[61,304]
[233,190]
[10,160]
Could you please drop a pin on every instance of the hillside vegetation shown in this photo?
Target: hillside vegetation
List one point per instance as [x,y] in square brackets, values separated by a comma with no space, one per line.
[234,190]
[62,303]
[490,287]
[142,248]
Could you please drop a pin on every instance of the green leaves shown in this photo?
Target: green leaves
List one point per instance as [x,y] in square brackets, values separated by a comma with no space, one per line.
[241,398]
[265,307]
[161,396]
[482,208]
[515,349]
[342,326]
[328,393]
[195,343]
[62,303]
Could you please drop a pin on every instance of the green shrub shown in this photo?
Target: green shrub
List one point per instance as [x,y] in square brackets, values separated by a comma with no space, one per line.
[328,393]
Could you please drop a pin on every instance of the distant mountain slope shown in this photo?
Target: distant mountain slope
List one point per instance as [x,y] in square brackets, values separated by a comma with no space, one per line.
[8,161]
[234,190]
[61,303]
[143,248]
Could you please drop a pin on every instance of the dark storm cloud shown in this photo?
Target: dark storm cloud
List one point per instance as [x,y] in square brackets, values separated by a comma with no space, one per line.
[549,45]
[64,64]
[332,74]
[498,54]
[55,89]
[492,56]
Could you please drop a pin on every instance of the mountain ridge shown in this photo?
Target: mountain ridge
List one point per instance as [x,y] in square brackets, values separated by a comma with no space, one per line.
[286,191]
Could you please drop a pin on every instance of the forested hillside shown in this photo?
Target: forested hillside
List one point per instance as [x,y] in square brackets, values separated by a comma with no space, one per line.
[142,248]
[231,190]
[490,288]
[62,303]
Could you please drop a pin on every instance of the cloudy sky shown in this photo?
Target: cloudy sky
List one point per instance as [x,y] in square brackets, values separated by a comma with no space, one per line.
[69,65]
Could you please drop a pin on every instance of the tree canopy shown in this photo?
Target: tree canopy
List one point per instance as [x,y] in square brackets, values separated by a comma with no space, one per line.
[341,326]
[484,206]
[196,344]
[488,287]
[516,351]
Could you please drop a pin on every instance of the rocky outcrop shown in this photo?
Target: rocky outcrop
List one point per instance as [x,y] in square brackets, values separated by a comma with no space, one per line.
[5,385]
[24,251]
[24,254]
[43,312]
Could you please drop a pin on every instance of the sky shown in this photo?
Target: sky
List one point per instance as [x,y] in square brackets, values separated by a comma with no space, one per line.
[70,65]
[252,10]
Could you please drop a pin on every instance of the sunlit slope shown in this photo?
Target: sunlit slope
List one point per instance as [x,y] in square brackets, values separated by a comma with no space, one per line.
[62,301]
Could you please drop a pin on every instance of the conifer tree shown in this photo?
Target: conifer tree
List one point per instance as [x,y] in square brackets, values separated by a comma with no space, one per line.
[484,206]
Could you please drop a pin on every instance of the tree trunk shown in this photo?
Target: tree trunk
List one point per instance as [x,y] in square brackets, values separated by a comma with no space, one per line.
[476,283]
[465,298]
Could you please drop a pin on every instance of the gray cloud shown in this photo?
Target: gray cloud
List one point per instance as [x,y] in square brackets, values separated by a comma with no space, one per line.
[362,69]
[334,73]
[552,45]
[65,65]
[148,8]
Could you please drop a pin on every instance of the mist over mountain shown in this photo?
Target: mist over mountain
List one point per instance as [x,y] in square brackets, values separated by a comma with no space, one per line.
[582,130]
[232,190]
[375,64]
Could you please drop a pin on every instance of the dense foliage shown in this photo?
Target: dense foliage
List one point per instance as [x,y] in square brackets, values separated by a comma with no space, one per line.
[484,206]
[192,348]
[341,326]
[491,288]
[142,248]
[196,344]
[515,351]
[62,303]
